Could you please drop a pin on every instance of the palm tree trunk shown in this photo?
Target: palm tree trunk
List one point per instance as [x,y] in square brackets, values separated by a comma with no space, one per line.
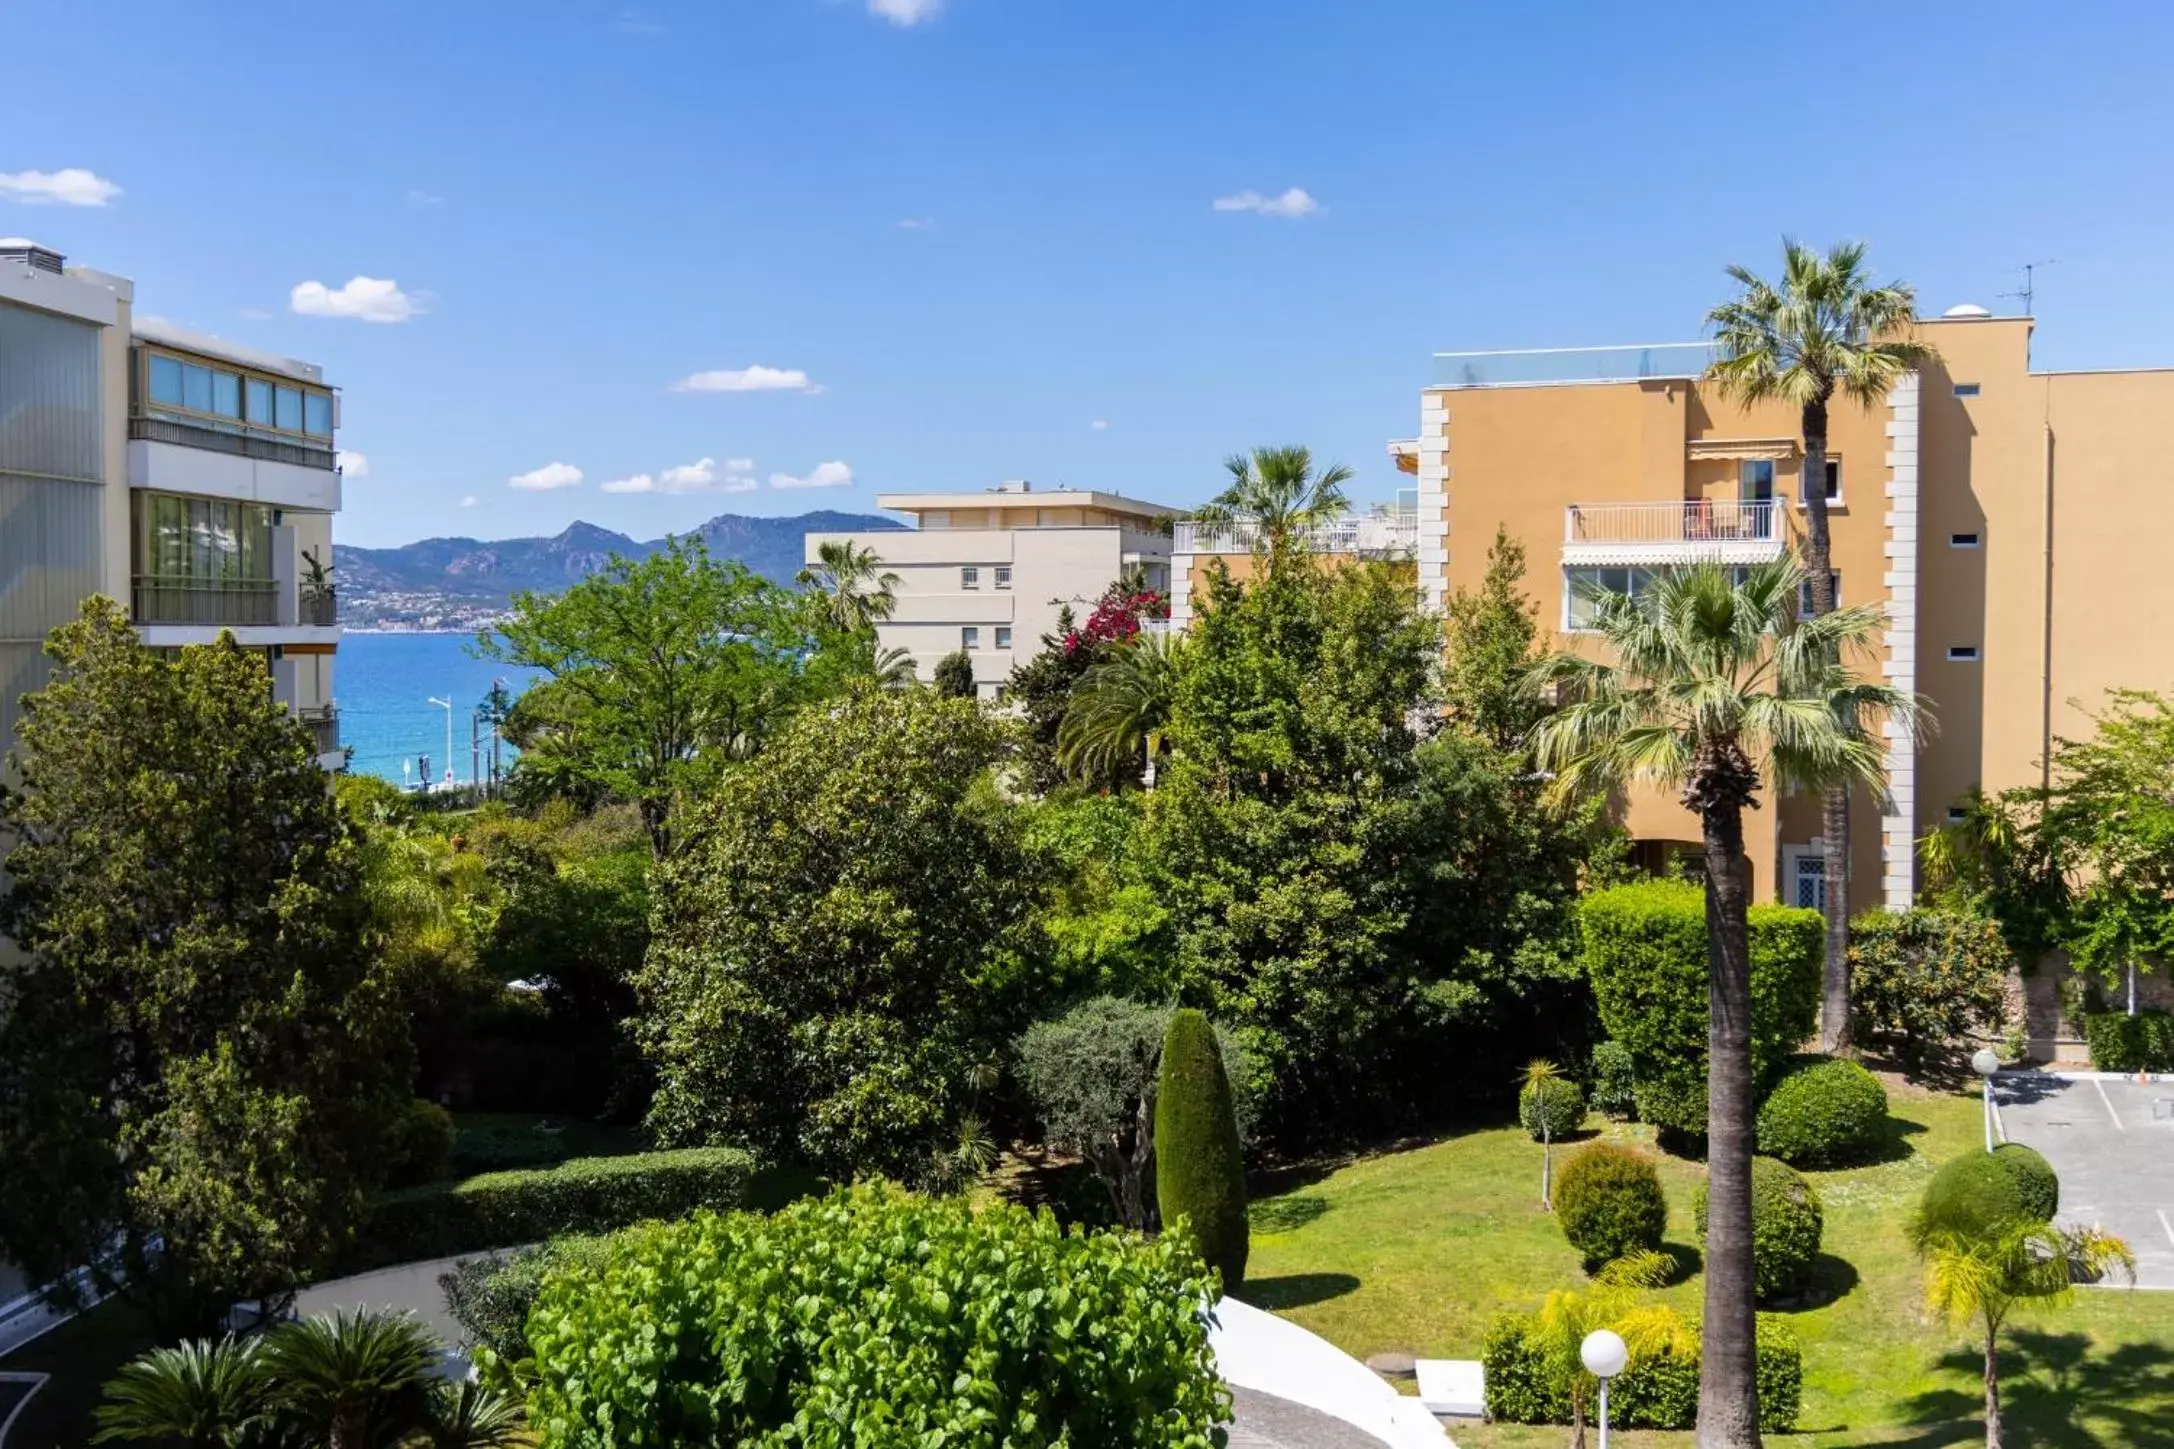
[1834,812]
[1728,1388]
[1992,1390]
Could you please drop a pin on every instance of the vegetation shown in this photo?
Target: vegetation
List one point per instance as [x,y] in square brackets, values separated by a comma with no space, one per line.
[1119,714]
[853,589]
[1200,1176]
[1615,1083]
[490,1295]
[1825,329]
[2120,1042]
[1530,1380]
[954,675]
[1982,1194]
[201,1066]
[1925,982]
[1610,1204]
[1276,494]
[883,1318]
[1786,1223]
[1550,1106]
[1825,1113]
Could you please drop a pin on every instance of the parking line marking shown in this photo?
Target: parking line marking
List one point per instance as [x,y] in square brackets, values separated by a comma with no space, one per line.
[2118,1123]
[2167,1225]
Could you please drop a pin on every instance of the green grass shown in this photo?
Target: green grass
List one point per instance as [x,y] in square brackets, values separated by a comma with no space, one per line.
[497,1141]
[1420,1249]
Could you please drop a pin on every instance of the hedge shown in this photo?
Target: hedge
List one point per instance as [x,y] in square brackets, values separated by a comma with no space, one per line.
[1556,1102]
[1644,947]
[1787,1223]
[1615,1082]
[1924,982]
[584,1195]
[1655,1391]
[2123,1043]
[490,1295]
[1980,1193]
[1609,1202]
[1825,1113]
[1200,1170]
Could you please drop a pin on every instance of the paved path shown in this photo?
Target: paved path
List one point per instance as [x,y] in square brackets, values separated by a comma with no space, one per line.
[1281,1370]
[1263,1421]
[2112,1142]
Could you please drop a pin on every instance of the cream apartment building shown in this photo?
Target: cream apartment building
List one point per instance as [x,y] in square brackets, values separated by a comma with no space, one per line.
[989,572]
[2006,519]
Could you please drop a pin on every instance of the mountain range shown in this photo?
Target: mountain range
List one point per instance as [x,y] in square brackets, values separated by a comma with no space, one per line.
[463,583]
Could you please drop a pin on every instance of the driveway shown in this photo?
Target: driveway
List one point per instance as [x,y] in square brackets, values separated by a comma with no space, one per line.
[2112,1142]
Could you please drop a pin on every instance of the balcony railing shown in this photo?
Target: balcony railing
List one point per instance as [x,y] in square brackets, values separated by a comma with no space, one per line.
[323,724]
[1690,520]
[1525,367]
[1379,534]
[321,608]
[163,600]
[242,445]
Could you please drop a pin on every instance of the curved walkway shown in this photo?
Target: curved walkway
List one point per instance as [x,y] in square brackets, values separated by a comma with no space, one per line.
[1282,1372]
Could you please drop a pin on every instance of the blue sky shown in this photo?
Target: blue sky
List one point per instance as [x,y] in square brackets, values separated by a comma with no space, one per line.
[580,205]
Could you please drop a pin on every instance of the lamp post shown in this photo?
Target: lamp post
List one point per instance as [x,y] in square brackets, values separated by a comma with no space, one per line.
[1604,1354]
[447,705]
[1985,1063]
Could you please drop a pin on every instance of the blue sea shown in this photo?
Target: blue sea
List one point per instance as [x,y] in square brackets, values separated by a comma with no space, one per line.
[384,684]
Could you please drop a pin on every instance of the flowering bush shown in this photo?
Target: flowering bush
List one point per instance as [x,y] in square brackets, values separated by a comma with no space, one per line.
[1116,617]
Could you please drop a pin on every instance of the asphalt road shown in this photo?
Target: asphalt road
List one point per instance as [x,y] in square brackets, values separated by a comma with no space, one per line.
[2112,1142]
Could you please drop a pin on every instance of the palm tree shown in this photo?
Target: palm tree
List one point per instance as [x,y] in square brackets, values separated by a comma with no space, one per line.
[1276,492]
[206,1394]
[1976,1281]
[1711,673]
[469,1416]
[1120,709]
[352,1380]
[1824,330]
[1538,1074]
[856,591]
[1610,1301]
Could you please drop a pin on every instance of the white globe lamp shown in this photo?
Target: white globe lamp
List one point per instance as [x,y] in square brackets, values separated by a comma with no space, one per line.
[1985,1063]
[1604,1354]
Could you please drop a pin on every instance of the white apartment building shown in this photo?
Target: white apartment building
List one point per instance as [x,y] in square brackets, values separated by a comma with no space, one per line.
[989,572]
[191,479]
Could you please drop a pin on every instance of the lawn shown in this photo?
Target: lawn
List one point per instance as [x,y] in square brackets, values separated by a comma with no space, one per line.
[1419,1249]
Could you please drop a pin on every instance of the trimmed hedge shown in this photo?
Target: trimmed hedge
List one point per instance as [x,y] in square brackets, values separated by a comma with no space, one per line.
[1644,947]
[1615,1082]
[1825,1113]
[585,1195]
[1924,982]
[421,1149]
[2123,1043]
[490,1296]
[1655,1391]
[1557,1101]
[1610,1203]
[1787,1223]
[1200,1170]
[1980,1193]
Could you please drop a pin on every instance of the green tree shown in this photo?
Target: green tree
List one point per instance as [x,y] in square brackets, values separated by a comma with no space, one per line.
[1824,330]
[1611,1301]
[954,675]
[2109,822]
[199,1060]
[1708,675]
[1275,495]
[849,942]
[1041,691]
[854,592]
[1490,639]
[1200,1170]
[660,672]
[205,1394]
[352,1380]
[1119,714]
[1978,1280]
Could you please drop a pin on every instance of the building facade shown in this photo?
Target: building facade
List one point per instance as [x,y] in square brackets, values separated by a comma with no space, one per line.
[990,572]
[1997,515]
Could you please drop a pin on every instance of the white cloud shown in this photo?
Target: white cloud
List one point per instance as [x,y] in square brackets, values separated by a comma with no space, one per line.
[546,478]
[1100,425]
[418,197]
[355,465]
[905,12]
[824,475]
[1292,205]
[748,379]
[70,186]
[371,299]
[701,476]
[639,483]
[915,223]
[469,501]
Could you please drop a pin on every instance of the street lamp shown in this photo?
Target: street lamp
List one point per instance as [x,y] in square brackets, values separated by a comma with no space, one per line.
[1604,1354]
[447,706]
[1985,1063]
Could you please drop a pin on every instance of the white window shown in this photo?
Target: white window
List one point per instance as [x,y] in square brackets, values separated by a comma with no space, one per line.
[969,578]
[1755,480]
[1962,540]
[1003,576]
[1962,654]
[970,637]
[1003,637]
[1807,883]
[1834,480]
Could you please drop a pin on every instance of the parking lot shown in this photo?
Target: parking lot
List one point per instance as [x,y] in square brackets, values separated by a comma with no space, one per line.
[2112,1142]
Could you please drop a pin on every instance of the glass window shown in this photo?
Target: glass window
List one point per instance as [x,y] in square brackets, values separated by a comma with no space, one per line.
[195,388]
[1962,653]
[970,637]
[1962,540]
[1966,389]
[166,380]
[1804,594]
[1003,576]
[1755,480]
[260,402]
[288,416]
[969,578]
[317,414]
[1811,881]
[1003,638]
[1834,480]
[226,394]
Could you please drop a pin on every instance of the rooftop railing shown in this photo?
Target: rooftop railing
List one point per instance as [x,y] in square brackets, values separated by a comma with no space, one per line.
[1571,364]
[1364,534]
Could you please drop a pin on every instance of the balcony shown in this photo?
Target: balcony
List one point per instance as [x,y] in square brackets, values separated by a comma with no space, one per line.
[1724,529]
[201,601]
[1390,535]
[1539,366]
[323,723]
[320,607]
[142,428]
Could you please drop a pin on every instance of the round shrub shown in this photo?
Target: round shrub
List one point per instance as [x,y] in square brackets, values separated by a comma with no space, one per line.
[1609,1202]
[1981,1193]
[882,1318]
[1786,1224]
[421,1145]
[1556,1103]
[1200,1170]
[1615,1084]
[1825,1113]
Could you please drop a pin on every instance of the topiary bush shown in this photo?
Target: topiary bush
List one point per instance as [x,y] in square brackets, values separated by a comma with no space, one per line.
[1644,947]
[1200,1171]
[586,1195]
[1825,1113]
[1654,1391]
[1556,1102]
[1615,1084]
[1923,982]
[877,1317]
[2123,1043]
[421,1149]
[1786,1225]
[1982,1193]
[1610,1204]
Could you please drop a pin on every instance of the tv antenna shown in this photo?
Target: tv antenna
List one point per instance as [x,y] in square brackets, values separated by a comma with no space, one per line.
[2028,292]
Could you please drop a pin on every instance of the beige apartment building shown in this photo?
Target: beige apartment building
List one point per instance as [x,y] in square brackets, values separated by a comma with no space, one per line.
[191,479]
[989,572]
[2001,516]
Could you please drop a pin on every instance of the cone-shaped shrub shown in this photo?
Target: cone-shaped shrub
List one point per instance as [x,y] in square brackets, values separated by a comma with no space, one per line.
[1200,1174]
